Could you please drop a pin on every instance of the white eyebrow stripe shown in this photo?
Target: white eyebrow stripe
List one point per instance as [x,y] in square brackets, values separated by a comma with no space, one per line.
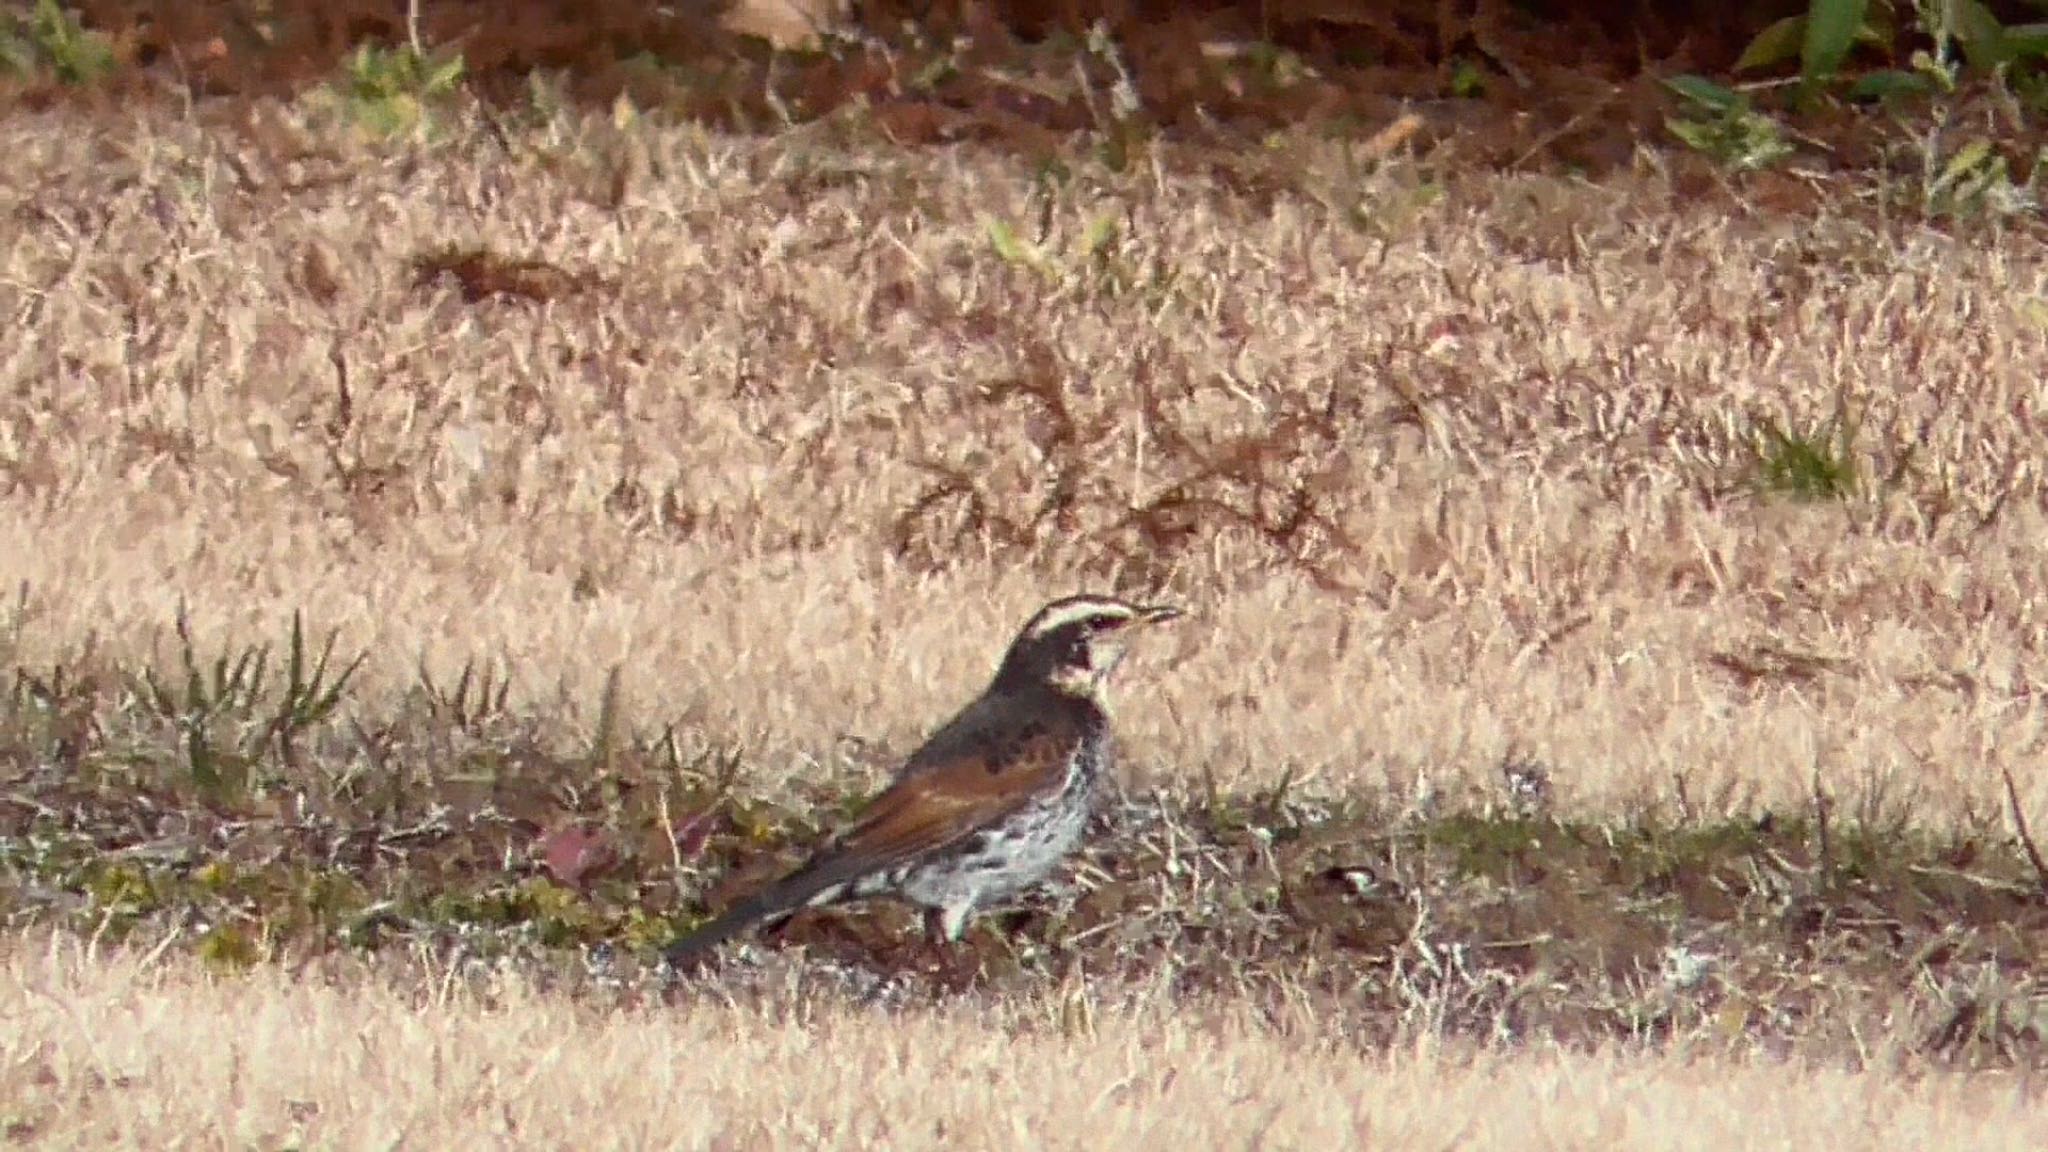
[1057,616]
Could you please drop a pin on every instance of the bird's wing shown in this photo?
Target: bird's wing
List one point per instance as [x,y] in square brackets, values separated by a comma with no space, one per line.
[953,787]
[973,772]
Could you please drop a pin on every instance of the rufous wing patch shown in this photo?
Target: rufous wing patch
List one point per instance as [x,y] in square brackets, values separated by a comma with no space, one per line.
[951,799]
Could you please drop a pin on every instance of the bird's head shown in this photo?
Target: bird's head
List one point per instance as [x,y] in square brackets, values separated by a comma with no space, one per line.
[1071,645]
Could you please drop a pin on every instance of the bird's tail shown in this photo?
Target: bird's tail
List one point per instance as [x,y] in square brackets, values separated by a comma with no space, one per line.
[808,887]
[735,921]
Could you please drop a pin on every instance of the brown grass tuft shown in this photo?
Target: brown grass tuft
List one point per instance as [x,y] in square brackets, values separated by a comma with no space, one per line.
[1615,612]
[114,1051]
[1476,479]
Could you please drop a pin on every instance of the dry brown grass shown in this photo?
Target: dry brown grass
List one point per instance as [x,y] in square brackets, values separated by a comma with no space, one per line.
[787,439]
[115,1051]
[1457,470]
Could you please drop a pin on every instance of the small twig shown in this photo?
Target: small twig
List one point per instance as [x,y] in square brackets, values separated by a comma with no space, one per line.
[156,952]
[1821,805]
[1384,141]
[2019,824]
[1988,883]
[668,829]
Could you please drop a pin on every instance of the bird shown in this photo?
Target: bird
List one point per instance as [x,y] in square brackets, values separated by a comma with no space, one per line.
[992,802]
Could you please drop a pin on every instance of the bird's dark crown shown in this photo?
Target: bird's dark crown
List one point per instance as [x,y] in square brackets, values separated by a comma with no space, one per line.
[1067,645]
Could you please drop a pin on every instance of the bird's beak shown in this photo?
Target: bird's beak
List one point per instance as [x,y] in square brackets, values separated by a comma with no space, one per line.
[1111,651]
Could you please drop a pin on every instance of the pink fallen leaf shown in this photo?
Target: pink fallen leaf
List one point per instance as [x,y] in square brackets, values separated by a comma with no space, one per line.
[573,853]
[694,833]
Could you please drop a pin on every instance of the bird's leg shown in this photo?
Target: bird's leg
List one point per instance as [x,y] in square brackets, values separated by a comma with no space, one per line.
[933,960]
[955,966]
[945,927]
[951,922]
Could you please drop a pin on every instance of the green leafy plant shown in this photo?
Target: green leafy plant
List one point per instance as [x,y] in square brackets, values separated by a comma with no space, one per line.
[1972,179]
[224,714]
[1119,112]
[1728,128]
[1814,464]
[1975,180]
[394,91]
[1097,258]
[1468,79]
[1822,37]
[1071,248]
[49,37]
